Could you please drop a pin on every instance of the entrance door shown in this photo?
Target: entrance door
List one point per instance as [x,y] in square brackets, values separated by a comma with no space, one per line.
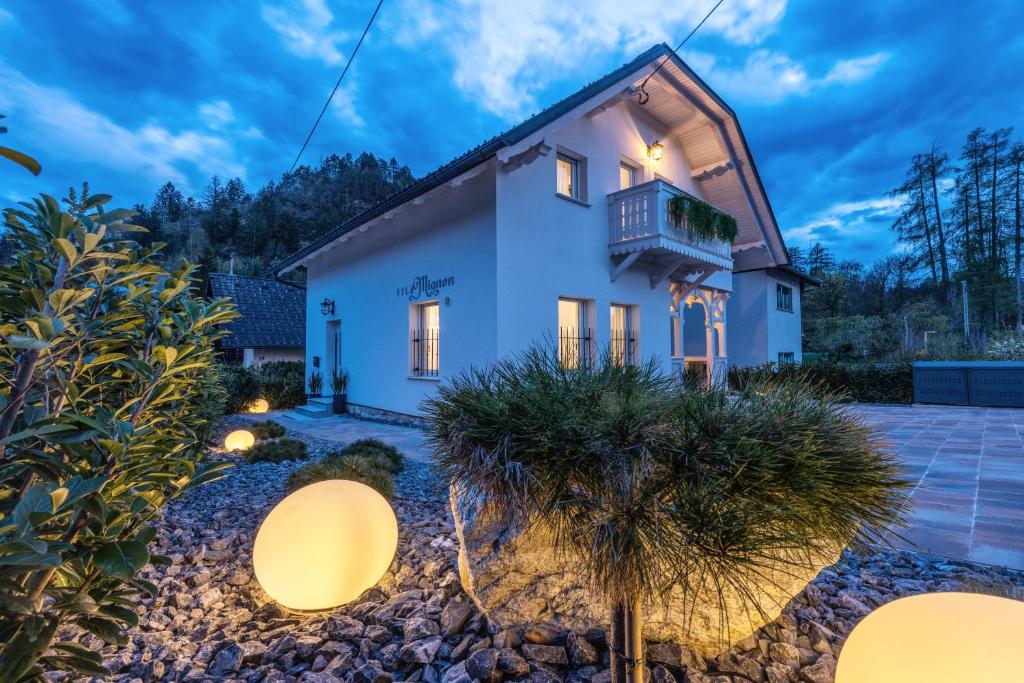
[333,347]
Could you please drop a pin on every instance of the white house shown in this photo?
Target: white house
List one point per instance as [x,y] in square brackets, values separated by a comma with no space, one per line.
[562,229]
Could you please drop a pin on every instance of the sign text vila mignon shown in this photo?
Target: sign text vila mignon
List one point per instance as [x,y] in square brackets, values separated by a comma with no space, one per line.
[422,286]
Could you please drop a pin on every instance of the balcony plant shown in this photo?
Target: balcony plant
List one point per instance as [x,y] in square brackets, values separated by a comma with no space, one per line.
[107,393]
[316,383]
[701,219]
[646,489]
[339,385]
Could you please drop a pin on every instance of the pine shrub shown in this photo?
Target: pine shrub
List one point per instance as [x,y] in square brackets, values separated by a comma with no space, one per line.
[266,429]
[372,471]
[277,450]
[376,448]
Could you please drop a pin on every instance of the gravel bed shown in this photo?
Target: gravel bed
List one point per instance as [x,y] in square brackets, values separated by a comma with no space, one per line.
[212,621]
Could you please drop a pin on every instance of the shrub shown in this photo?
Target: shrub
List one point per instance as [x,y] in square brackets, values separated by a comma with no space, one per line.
[376,448]
[107,387]
[283,383]
[1009,346]
[266,429]
[645,486]
[867,382]
[277,450]
[370,470]
[241,385]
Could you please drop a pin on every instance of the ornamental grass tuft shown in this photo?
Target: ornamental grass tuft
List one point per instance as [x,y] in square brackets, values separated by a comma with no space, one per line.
[648,485]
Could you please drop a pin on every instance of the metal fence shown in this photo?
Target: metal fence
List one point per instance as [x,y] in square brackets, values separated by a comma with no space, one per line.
[425,352]
[574,347]
[622,347]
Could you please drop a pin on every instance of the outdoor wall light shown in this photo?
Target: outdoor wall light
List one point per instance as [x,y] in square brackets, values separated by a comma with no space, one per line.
[656,150]
[260,405]
[325,544]
[327,306]
[239,440]
[936,638]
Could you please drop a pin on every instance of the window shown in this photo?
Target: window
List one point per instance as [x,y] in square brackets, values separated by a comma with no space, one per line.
[573,333]
[627,176]
[568,173]
[786,357]
[622,337]
[784,298]
[426,337]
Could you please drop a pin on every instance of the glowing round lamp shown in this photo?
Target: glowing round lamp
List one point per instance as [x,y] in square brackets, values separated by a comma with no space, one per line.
[260,405]
[936,638]
[239,440]
[325,544]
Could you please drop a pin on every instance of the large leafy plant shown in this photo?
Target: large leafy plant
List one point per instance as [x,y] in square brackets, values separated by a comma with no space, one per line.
[107,388]
[701,219]
[649,487]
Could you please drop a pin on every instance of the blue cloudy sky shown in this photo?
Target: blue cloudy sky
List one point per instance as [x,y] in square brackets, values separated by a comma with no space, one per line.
[834,95]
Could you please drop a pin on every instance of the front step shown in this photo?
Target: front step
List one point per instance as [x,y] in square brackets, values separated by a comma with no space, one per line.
[295,416]
[321,400]
[314,410]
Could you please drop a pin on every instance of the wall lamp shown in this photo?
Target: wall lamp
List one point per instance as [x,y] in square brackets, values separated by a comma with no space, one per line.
[327,307]
[656,150]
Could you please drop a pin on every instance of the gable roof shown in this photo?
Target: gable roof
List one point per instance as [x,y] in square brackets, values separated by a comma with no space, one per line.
[273,313]
[517,134]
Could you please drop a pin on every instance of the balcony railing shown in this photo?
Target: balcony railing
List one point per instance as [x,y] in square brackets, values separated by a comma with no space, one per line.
[640,214]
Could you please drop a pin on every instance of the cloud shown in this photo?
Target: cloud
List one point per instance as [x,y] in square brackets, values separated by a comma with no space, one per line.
[841,220]
[768,77]
[344,105]
[305,29]
[217,114]
[506,53]
[6,18]
[69,129]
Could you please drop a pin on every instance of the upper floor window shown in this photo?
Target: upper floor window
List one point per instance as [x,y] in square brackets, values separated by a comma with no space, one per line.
[574,338]
[568,176]
[627,175]
[784,298]
[426,338]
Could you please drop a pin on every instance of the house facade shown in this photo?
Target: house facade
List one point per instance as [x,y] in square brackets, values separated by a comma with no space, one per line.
[599,224]
[271,324]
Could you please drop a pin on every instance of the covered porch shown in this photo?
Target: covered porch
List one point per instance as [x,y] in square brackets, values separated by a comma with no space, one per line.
[698,323]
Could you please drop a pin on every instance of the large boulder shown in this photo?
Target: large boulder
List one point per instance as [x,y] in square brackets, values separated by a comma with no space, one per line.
[517,578]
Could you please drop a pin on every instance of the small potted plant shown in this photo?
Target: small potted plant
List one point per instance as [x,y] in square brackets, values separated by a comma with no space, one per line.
[339,383]
[316,382]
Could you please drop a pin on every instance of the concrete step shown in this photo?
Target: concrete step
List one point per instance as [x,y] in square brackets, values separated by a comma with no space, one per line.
[314,410]
[295,416]
[322,400]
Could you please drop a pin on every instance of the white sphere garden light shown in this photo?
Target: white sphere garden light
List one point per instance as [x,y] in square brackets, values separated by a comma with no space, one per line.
[239,440]
[937,638]
[260,405]
[325,544]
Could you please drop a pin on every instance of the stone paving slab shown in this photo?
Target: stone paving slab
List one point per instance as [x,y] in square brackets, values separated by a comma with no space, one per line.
[967,469]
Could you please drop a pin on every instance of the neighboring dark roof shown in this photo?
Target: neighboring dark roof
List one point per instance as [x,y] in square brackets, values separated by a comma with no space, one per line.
[273,313]
[479,154]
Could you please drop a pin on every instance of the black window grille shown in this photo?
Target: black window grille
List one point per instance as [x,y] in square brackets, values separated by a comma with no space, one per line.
[784,298]
[623,347]
[425,345]
[574,347]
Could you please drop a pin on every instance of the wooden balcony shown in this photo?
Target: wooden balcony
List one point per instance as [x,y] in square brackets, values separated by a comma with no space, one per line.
[642,232]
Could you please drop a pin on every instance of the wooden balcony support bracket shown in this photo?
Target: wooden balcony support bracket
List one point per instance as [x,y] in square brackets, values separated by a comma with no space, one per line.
[684,288]
[624,264]
[626,94]
[672,267]
[527,156]
[711,170]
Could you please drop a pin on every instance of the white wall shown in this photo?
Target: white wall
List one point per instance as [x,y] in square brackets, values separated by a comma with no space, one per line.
[548,246]
[449,236]
[254,357]
[756,330]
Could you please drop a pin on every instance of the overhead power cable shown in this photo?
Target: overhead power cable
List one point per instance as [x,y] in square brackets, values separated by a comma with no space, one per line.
[644,96]
[336,85]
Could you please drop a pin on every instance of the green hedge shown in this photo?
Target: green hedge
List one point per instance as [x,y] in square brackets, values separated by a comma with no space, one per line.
[282,383]
[863,382]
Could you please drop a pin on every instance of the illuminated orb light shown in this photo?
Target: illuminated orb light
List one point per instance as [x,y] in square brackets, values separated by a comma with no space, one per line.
[936,638]
[239,440]
[325,544]
[260,405]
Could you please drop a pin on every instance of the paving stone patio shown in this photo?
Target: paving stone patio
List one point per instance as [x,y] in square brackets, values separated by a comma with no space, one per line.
[967,466]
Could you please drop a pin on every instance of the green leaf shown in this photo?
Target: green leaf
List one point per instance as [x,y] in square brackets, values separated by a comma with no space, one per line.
[36,432]
[20,654]
[35,506]
[107,630]
[23,160]
[121,559]
[65,248]
[17,341]
[122,614]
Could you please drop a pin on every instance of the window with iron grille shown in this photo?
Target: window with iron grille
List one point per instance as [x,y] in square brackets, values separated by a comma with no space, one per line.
[784,298]
[787,357]
[574,336]
[622,339]
[426,338]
